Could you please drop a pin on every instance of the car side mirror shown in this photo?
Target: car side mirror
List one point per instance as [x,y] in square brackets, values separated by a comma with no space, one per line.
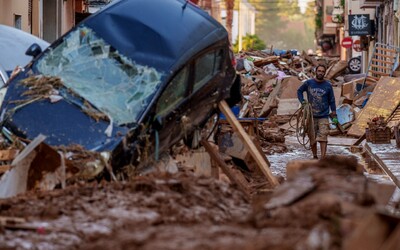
[157,123]
[34,50]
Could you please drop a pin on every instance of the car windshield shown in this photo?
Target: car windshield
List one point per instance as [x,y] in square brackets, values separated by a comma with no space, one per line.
[113,83]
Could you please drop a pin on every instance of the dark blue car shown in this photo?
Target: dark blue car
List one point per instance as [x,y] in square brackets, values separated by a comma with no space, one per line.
[132,79]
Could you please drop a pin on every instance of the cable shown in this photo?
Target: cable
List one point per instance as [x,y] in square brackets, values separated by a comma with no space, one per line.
[305,133]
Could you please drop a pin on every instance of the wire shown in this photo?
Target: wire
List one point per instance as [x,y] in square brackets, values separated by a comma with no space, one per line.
[305,133]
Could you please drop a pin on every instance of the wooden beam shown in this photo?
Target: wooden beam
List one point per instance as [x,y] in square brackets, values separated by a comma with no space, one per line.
[225,168]
[388,50]
[383,55]
[4,168]
[362,138]
[258,158]
[382,61]
[8,155]
[379,73]
[381,67]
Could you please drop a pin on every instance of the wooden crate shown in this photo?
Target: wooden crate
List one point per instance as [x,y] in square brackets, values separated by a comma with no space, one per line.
[379,135]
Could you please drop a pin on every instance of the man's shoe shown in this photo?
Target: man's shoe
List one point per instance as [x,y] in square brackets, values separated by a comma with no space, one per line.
[315,157]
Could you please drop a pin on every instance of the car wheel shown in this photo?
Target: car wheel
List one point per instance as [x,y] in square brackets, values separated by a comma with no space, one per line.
[354,65]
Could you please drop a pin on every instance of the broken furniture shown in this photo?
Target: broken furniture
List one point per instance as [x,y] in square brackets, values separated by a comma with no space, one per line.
[380,103]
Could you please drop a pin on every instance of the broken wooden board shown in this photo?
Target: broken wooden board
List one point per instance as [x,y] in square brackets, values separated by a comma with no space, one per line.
[291,191]
[4,168]
[383,101]
[337,92]
[15,181]
[387,156]
[288,106]
[289,126]
[271,99]
[8,155]
[336,69]
[289,87]
[259,159]
[197,160]
[233,176]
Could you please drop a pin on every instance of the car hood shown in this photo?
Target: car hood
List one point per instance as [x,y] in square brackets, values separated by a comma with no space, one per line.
[13,44]
[63,122]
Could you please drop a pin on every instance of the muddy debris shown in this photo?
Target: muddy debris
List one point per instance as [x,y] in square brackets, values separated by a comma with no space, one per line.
[319,207]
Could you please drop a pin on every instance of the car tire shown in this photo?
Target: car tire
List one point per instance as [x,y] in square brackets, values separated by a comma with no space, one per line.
[354,65]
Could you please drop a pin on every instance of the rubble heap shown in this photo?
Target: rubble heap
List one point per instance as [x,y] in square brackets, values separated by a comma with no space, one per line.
[319,207]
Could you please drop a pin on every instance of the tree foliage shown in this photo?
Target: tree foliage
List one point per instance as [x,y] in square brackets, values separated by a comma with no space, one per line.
[280,23]
[249,42]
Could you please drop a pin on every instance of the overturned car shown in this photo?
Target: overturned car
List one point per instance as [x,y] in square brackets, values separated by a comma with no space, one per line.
[131,81]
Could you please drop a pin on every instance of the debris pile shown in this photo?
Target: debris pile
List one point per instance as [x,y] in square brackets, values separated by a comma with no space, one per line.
[270,83]
[320,207]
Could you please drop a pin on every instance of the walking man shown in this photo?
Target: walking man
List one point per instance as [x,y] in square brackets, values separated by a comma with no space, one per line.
[321,98]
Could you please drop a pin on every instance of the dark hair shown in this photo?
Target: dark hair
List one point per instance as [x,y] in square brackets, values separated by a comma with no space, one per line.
[320,65]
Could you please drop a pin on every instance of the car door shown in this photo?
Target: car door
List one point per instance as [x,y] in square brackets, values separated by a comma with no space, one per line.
[172,107]
[207,81]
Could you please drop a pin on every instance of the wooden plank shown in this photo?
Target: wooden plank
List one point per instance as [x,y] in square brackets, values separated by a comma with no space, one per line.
[382,61]
[378,73]
[387,50]
[382,102]
[270,101]
[359,140]
[381,67]
[258,158]
[383,55]
[386,156]
[340,141]
[8,155]
[373,77]
[225,168]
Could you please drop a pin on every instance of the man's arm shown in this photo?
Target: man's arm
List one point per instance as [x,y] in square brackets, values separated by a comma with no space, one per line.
[331,99]
[300,92]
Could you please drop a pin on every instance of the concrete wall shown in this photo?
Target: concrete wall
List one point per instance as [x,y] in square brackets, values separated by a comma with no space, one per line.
[247,20]
[10,8]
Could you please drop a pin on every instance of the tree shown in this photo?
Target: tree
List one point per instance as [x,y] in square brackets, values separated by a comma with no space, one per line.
[249,42]
[230,4]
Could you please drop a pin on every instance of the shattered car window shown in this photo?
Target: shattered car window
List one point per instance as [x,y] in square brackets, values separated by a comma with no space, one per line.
[174,93]
[113,83]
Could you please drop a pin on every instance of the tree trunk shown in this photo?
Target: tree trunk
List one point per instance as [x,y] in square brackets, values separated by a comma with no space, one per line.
[229,16]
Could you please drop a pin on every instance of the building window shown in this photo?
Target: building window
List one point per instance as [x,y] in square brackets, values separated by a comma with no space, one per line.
[18,21]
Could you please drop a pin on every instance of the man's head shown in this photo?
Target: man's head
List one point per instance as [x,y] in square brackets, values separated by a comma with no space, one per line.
[320,71]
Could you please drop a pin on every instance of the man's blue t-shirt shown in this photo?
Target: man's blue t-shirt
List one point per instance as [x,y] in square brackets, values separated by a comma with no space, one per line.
[320,95]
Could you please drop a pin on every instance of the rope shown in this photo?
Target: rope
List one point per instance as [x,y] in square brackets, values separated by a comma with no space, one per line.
[305,133]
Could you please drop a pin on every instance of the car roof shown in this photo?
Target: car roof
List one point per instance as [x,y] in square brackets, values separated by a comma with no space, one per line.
[13,45]
[157,33]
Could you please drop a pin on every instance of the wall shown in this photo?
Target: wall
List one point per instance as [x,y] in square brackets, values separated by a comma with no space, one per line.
[9,8]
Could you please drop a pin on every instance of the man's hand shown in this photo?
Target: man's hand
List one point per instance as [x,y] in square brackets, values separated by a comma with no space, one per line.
[335,120]
[304,103]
